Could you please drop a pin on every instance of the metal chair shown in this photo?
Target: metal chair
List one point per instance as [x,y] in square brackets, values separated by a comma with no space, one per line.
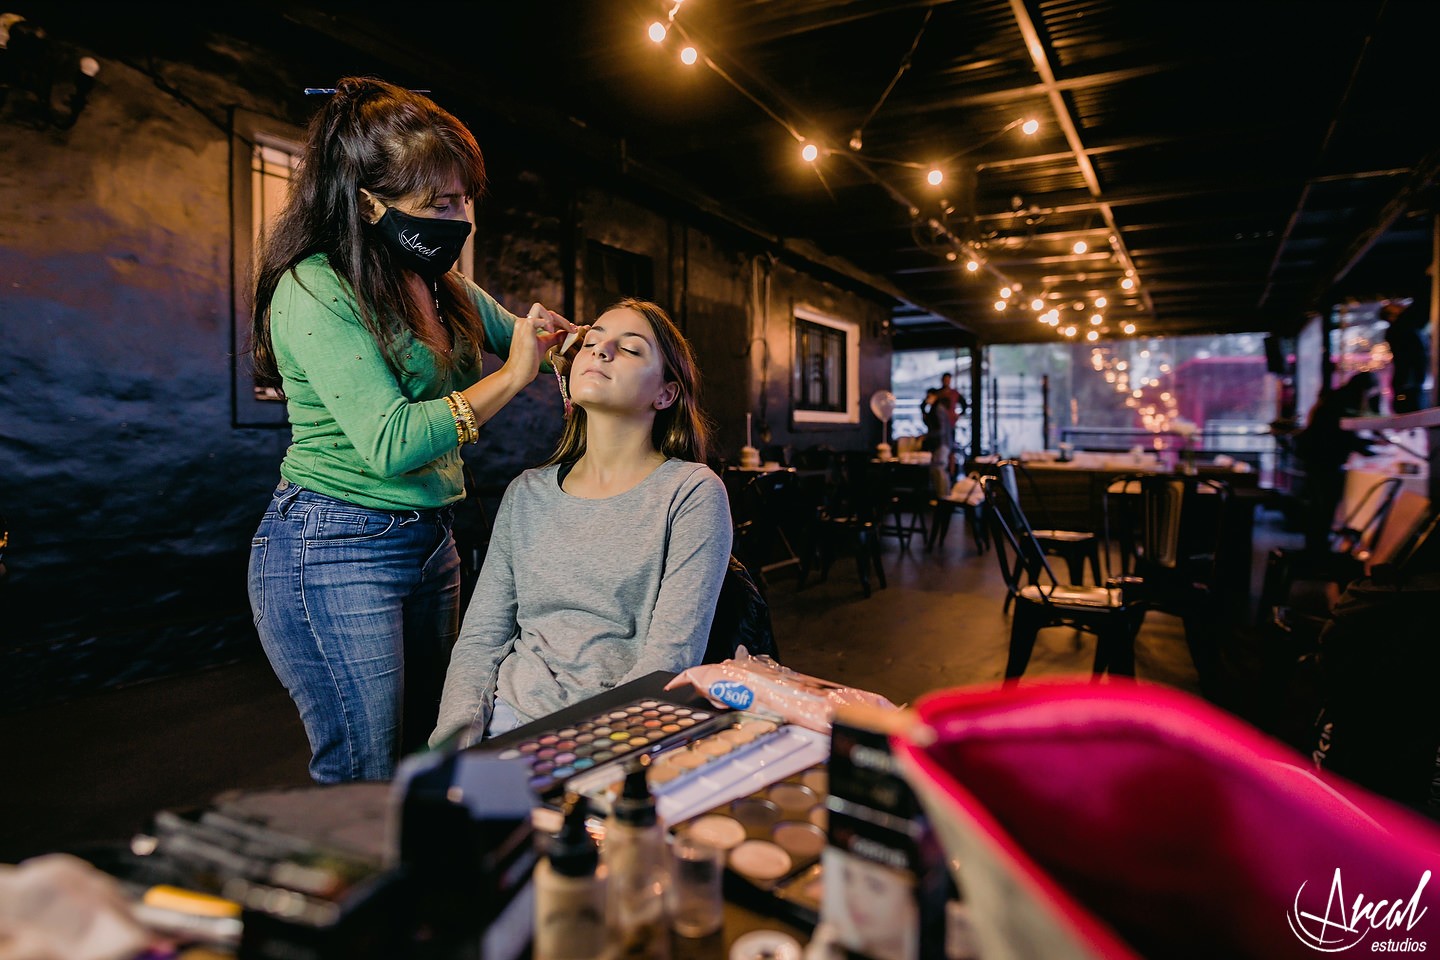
[1351,542]
[1166,530]
[845,514]
[1075,547]
[769,520]
[742,617]
[1041,600]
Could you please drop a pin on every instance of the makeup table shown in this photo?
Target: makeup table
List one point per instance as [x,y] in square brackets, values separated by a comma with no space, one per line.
[718,769]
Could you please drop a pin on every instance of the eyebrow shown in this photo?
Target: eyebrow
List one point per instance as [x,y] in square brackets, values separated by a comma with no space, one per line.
[640,336]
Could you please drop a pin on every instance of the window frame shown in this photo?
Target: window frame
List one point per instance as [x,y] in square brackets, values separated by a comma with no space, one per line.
[851,390]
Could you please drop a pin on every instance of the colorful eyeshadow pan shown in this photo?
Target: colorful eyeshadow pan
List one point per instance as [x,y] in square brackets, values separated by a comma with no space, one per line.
[643,726]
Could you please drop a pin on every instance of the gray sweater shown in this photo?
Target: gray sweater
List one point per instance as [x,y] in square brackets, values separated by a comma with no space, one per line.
[578,596]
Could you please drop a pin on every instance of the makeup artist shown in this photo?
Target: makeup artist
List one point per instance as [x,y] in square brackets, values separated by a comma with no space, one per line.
[358,318]
[605,563]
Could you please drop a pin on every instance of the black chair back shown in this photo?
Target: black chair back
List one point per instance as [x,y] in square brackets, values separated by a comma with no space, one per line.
[742,617]
[1167,530]
[1363,526]
[1021,558]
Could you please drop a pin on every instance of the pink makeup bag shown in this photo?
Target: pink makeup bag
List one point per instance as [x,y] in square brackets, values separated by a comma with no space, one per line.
[1123,820]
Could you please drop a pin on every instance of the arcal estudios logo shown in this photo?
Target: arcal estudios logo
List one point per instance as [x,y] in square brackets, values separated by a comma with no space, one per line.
[1342,921]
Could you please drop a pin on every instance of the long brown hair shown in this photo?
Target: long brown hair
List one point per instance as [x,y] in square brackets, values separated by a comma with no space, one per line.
[394,143]
[681,430]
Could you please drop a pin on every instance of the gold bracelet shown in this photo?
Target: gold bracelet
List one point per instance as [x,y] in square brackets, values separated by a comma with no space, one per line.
[472,427]
[461,428]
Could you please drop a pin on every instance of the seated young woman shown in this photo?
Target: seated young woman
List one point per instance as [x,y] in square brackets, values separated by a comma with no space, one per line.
[605,562]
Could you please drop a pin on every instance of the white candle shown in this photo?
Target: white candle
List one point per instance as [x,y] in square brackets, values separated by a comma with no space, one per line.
[747,429]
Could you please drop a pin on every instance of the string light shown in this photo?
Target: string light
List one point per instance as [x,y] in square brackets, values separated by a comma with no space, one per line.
[999,304]
[1093,335]
[935,174]
[1100,303]
[1127,284]
[1005,292]
[1129,328]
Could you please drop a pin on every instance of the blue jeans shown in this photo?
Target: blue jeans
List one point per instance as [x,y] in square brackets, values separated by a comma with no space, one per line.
[357,610]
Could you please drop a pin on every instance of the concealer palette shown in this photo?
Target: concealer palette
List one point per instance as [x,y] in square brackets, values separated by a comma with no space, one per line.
[772,840]
[634,729]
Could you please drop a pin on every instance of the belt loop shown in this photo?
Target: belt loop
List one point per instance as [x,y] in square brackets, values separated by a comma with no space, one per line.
[285,497]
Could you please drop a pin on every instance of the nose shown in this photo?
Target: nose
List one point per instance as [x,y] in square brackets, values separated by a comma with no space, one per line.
[602,347]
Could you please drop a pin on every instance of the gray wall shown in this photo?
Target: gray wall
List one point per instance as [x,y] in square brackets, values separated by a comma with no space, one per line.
[130,496]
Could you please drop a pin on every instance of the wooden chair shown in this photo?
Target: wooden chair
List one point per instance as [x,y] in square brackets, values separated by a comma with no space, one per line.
[1041,600]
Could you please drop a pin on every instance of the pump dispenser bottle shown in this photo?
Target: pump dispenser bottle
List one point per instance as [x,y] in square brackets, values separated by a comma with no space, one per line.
[570,892]
[638,871]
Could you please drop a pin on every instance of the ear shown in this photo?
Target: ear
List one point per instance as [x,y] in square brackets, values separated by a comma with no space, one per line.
[668,395]
[370,208]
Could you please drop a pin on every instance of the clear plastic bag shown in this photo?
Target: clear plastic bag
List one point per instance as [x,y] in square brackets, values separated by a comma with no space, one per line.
[763,685]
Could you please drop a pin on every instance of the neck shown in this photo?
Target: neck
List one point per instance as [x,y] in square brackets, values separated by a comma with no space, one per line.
[618,455]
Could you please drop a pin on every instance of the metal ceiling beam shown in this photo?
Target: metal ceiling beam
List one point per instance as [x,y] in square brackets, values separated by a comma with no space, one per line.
[1039,55]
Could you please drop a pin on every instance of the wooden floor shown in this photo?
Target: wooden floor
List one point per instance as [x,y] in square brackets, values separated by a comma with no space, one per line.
[95,769]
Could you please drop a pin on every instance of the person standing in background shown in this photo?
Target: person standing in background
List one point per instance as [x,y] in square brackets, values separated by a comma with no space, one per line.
[354,577]
[1405,331]
[952,407]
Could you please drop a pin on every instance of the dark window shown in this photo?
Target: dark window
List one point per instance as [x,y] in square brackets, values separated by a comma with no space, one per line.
[612,274]
[820,365]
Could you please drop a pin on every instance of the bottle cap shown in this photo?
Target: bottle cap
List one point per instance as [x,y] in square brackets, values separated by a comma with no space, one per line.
[635,805]
[572,851]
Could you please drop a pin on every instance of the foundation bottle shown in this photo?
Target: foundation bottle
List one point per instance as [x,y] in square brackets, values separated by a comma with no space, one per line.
[637,873]
[570,892]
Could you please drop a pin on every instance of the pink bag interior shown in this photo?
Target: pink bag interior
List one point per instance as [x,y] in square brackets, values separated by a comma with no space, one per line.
[1184,830]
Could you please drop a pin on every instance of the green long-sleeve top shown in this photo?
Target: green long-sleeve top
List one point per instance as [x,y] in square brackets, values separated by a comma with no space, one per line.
[360,431]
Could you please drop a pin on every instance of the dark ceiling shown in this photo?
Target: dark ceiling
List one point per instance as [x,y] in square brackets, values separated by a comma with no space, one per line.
[1250,162]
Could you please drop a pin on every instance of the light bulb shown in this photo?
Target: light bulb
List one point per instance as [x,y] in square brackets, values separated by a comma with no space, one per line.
[657,32]
[1096,319]
[856,142]
[1005,292]
[1100,303]
[972,265]
[809,152]
[1127,284]
[1129,328]
[1093,335]
[1037,304]
[688,56]
[999,304]
[1069,331]
[934,177]
[1080,246]
[1030,126]
[951,255]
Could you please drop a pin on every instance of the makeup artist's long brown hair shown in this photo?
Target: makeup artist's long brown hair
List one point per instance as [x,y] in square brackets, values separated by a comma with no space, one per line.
[681,430]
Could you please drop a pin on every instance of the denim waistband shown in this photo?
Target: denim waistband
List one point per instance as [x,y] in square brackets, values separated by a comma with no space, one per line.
[287,492]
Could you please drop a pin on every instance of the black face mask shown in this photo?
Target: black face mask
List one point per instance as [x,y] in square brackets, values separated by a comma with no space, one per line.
[427,245]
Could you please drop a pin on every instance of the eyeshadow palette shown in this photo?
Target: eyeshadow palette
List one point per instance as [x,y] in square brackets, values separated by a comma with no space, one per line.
[772,840]
[688,778]
[641,727]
